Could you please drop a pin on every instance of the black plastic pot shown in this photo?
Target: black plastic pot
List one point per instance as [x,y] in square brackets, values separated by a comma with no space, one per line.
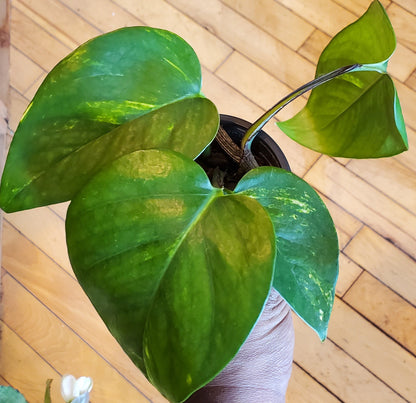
[264,148]
[217,163]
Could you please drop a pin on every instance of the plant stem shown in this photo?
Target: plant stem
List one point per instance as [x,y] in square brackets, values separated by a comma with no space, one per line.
[259,123]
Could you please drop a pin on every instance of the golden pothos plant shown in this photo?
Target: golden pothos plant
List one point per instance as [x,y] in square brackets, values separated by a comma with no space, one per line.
[178,268]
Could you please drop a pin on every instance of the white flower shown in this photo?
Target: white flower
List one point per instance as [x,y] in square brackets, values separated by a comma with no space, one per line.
[76,390]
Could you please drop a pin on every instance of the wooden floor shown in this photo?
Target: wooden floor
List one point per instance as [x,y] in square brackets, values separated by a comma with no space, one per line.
[252,52]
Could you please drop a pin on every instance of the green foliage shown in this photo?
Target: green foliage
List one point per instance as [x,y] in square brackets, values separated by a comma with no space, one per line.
[306,262]
[11,395]
[47,396]
[131,89]
[189,266]
[358,114]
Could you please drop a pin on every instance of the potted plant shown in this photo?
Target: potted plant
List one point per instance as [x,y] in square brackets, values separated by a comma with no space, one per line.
[178,264]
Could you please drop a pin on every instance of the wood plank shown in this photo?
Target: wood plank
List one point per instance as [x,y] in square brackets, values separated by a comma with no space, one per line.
[24,369]
[31,91]
[390,177]
[278,21]
[62,294]
[62,19]
[349,272]
[347,225]
[409,5]
[364,202]
[408,158]
[343,238]
[60,209]
[228,100]
[60,346]
[210,50]
[327,15]
[404,24]
[24,71]
[402,63]
[373,349]
[342,375]
[386,309]
[45,25]
[3,382]
[359,7]
[304,389]
[105,17]
[18,105]
[35,43]
[246,37]
[314,45]
[257,85]
[411,81]
[45,229]
[407,99]
[384,261]
[234,90]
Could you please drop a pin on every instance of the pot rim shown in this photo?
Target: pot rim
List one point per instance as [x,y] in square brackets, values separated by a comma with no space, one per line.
[262,138]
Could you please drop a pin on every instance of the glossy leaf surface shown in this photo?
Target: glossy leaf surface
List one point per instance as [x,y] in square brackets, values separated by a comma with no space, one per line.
[179,273]
[357,114]
[130,89]
[306,264]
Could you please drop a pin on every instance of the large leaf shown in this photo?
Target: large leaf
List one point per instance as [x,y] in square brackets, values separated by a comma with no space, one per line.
[130,89]
[181,271]
[306,264]
[357,114]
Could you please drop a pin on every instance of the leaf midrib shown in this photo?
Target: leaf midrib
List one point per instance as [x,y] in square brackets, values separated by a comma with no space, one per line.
[351,104]
[187,230]
[57,162]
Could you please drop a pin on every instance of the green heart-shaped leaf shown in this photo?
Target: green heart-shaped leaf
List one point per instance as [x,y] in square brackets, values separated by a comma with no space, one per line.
[181,271]
[306,264]
[357,114]
[134,88]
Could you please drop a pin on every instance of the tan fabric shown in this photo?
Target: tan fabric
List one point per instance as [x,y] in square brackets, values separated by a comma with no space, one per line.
[261,370]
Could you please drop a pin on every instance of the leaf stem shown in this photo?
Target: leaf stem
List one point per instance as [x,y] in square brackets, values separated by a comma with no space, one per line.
[259,123]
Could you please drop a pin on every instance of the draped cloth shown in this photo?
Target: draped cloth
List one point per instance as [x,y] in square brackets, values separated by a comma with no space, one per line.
[261,370]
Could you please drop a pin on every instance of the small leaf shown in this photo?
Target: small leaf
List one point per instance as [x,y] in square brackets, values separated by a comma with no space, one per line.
[11,395]
[306,263]
[181,271]
[358,114]
[131,89]
[47,397]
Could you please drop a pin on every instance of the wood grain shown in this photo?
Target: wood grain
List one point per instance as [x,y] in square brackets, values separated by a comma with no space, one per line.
[337,370]
[252,53]
[37,44]
[365,202]
[24,369]
[241,34]
[384,261]
[378,353]
[27,316]
[210,49]
[60,293]
[278,21]
[385,308]
[304,389]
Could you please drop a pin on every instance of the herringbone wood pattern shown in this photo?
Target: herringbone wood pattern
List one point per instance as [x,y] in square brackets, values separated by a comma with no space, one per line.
[252,53]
